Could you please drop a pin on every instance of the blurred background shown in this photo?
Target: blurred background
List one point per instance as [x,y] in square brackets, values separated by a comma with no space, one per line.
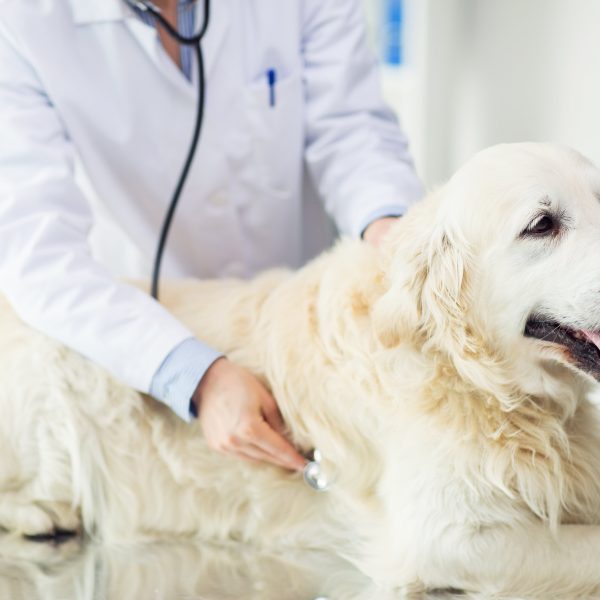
[462,75]
[466,74]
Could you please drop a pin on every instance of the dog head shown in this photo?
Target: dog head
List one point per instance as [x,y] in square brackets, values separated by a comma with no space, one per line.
[501,264]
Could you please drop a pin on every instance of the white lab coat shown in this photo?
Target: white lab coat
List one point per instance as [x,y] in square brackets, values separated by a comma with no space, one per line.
[86,77]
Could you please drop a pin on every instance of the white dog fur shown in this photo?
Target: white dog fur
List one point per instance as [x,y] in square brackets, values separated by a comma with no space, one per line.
[463,453]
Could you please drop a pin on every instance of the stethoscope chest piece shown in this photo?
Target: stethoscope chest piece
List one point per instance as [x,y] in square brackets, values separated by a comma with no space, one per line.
[314,475]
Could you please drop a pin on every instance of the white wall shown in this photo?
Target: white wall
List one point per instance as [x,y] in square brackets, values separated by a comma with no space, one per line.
[530,71]
[493,71]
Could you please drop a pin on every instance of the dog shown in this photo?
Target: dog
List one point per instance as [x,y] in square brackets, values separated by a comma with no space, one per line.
[445,377]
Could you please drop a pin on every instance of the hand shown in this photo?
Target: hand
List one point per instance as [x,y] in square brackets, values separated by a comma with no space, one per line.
[377,230]
[239,416]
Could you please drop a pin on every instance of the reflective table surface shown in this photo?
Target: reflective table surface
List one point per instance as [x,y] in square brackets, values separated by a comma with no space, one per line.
[74,570]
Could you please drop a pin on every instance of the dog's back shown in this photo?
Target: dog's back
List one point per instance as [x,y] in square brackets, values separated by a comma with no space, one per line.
[79,448]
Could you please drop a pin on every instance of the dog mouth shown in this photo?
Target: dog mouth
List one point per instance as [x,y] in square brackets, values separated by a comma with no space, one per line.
[581,346]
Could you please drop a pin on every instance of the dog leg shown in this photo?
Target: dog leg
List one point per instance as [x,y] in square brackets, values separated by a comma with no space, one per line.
[24,519]
[529,561]
[36,519]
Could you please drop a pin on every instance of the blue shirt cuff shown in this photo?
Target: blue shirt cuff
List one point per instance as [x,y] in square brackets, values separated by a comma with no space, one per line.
[391,210]
[179,374]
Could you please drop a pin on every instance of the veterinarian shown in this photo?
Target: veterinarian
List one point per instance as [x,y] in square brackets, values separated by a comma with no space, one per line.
[290,85]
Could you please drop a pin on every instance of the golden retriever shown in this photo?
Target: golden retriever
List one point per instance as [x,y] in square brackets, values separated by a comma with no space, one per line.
[445,379]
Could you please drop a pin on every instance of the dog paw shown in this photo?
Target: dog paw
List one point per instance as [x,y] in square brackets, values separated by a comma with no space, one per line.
[29,521]
[64,517]
[42,519]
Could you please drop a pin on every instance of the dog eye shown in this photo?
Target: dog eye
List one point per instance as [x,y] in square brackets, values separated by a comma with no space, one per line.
[541,225]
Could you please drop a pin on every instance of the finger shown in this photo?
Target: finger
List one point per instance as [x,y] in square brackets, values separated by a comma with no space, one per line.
[243,446]
[271,413]
[278,446]
[255,454]
[247,457]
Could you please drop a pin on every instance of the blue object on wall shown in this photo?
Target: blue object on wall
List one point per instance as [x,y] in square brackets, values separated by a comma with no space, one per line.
[393,14]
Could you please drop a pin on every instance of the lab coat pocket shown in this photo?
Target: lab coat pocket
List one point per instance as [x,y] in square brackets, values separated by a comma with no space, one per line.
[275,128]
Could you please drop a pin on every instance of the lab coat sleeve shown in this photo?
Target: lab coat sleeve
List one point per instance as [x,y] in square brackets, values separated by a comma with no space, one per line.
[46,269]
[355,150]
[177,378]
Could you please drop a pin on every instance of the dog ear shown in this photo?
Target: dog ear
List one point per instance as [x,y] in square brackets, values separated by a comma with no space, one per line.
[426,267]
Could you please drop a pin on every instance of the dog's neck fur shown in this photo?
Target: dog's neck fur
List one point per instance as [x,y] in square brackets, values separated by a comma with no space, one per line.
[530,446]
[527,445]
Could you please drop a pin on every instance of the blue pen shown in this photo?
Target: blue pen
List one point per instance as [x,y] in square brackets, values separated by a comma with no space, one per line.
[271,81]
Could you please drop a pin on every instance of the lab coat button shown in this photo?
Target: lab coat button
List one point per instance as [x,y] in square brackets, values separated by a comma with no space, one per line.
[219,199]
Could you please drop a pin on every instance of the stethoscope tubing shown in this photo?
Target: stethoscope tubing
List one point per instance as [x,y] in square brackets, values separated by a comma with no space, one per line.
[196,41]
[166,226]
[146,6]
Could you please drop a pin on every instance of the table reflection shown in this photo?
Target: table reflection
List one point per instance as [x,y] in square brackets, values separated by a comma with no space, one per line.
[74,570]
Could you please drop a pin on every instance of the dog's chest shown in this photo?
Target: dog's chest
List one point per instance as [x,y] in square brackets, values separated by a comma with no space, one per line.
[435,477]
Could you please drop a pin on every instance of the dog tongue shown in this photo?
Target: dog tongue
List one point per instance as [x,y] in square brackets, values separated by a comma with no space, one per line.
[592,336]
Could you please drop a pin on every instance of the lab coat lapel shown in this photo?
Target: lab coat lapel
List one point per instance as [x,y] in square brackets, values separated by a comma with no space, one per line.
[86,12]
[220,15]
[211,45]
[90,12]
[147,38]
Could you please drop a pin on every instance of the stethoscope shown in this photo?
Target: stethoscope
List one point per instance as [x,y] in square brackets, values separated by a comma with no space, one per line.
[196,41]
[314,475]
